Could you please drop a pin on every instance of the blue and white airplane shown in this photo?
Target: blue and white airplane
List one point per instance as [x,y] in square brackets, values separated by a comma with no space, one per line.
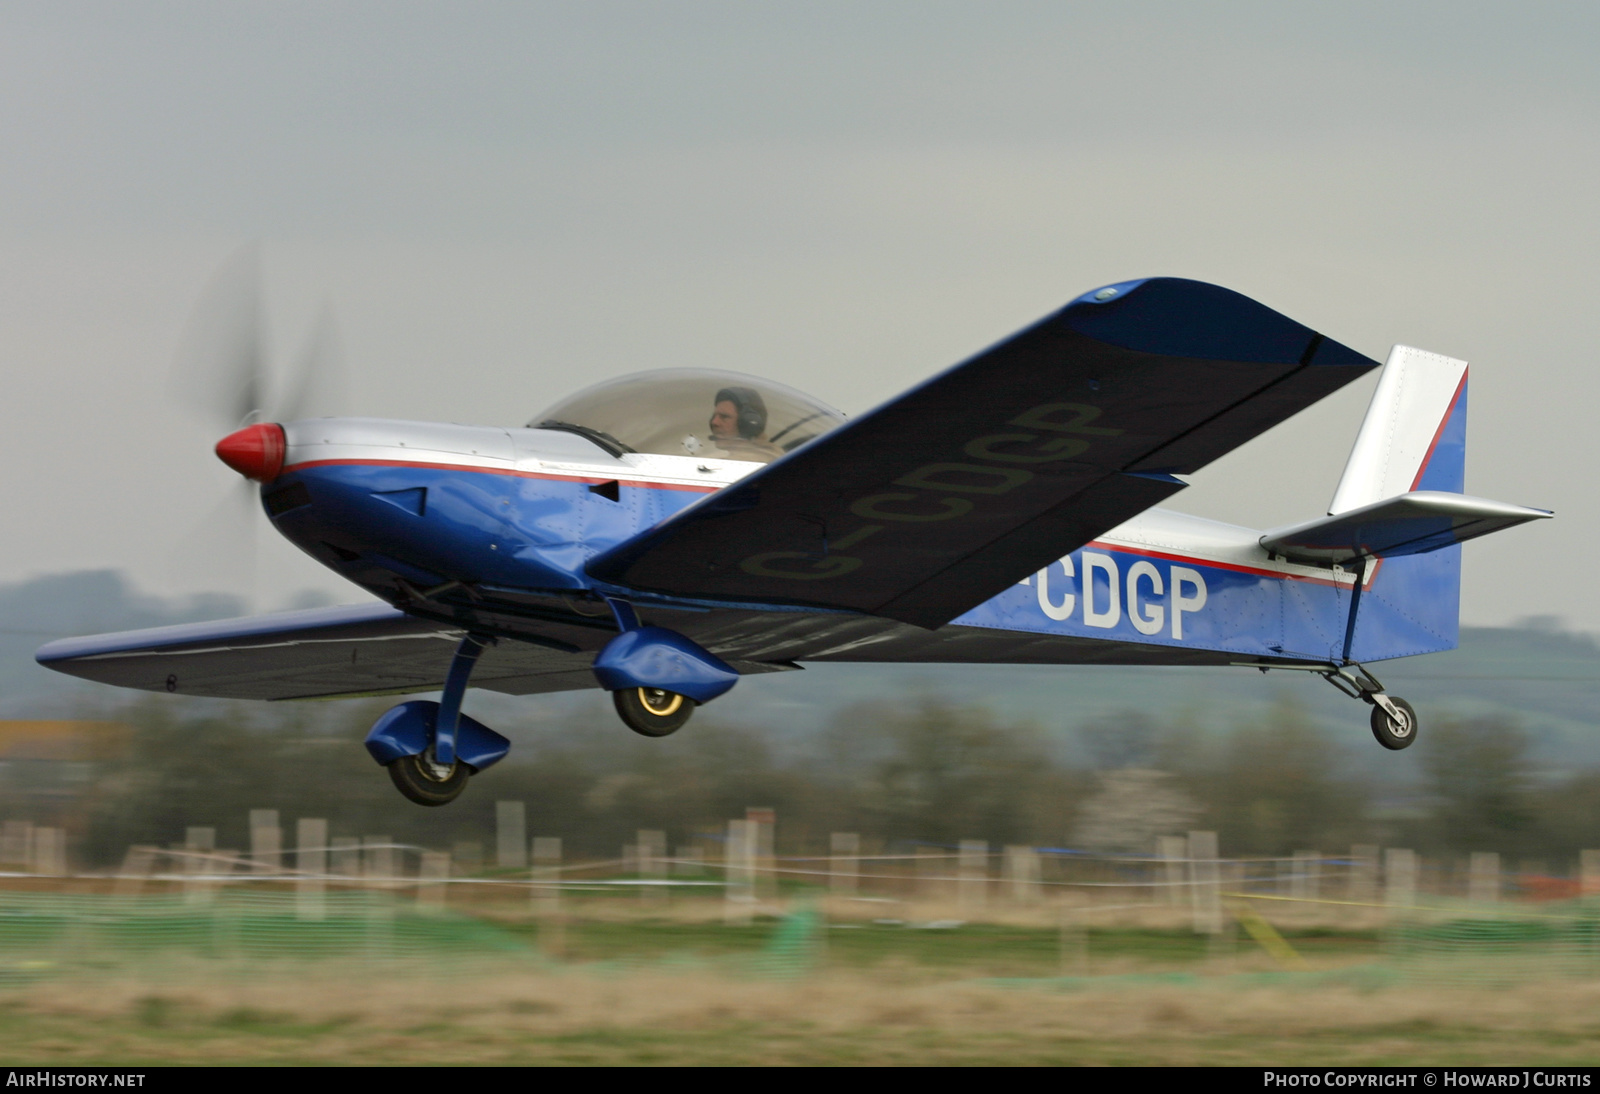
[664,534]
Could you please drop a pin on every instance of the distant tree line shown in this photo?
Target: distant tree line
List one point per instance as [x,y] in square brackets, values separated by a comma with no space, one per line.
[898,772]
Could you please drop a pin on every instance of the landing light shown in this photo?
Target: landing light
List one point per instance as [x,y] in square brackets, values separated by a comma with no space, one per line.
[256,451]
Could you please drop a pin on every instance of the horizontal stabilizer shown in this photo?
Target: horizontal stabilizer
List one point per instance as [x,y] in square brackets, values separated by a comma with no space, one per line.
[1411,524]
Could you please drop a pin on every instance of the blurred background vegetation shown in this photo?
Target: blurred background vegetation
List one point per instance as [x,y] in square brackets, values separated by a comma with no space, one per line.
[1086,757]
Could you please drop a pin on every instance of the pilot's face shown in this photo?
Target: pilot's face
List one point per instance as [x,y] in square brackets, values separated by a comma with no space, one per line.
[725,420]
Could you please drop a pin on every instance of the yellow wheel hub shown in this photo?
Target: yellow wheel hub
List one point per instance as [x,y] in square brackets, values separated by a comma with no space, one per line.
[662,704]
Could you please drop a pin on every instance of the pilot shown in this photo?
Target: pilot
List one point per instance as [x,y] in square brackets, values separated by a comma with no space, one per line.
[739,425]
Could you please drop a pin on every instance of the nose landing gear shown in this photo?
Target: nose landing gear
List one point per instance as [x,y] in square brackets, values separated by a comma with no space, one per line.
[432,749]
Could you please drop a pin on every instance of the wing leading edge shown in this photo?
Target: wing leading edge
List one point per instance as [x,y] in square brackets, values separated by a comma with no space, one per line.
[321,653]
[946,496]
[325,653]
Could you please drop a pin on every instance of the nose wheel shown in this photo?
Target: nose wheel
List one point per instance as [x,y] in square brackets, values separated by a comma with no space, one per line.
[431,749]
[652,712]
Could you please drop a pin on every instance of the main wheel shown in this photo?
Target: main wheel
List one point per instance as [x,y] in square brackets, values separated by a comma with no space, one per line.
[652,711]
[426,782]
[1391,734]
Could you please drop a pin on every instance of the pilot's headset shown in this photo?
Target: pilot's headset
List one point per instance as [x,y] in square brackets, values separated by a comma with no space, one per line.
[752,421]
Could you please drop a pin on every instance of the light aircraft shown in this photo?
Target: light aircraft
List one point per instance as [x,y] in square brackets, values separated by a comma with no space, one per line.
[663,534]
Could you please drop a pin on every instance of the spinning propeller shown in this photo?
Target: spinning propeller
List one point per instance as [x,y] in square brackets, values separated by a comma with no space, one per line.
[222,374]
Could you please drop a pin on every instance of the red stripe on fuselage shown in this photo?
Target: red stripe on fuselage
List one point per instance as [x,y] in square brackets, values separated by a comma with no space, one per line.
[503,471]
[1141,551]
[1236,567]
[1437,433]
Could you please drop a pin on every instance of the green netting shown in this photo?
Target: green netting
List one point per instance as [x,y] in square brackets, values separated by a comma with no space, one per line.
[49,934]
[1494,948]
[796,944]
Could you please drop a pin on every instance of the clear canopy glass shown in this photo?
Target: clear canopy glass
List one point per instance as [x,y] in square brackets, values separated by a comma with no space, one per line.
[693,412]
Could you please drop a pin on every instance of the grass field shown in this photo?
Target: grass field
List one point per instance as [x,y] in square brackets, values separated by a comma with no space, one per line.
[634,984]
[694,1017]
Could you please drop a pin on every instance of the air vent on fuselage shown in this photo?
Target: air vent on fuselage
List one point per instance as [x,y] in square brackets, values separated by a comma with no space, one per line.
[611,490]
[413,501]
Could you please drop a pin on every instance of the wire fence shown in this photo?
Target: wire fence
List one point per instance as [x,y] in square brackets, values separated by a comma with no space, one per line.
[376,902]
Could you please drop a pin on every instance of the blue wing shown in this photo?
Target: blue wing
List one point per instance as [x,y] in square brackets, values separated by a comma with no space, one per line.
[321,653]
[346,652]
[946,496]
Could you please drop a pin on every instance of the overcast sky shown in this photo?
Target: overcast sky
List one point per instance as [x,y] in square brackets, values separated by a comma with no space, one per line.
[506,202]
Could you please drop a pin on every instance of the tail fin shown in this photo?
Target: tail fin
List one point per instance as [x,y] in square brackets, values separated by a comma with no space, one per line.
[1414,436]
[1399,514]
[1401,493]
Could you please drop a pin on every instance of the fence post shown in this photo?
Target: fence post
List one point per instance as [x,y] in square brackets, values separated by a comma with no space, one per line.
[197,842]
[266,841]
[972,870]
[1589,873]
[378,866]
[652,845]
[1306,883]
[1363,877]
[1172,851]
[16,844]
[738,871]
[844,863]
[311,864]
[50,851]
[764,863]
[1399,881]
[689,861]
[1205,883]
[511,835]
[433,878]
[1483,877]
[546,890]
[1022,874]
[546,894]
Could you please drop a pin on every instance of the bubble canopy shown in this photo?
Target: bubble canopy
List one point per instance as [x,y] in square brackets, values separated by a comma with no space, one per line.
[693,412]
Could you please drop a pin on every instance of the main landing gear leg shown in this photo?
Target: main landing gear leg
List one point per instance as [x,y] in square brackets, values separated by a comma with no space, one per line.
[1394,722]
[431,749]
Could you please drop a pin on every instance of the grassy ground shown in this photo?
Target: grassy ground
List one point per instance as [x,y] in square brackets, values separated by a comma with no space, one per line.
[696,1018]
[639,984]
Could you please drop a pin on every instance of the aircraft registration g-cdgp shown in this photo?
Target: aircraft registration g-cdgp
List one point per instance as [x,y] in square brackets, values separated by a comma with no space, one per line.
[663,534]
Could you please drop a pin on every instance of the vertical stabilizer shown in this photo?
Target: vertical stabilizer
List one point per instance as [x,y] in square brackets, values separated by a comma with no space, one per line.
[1415,429]
[1414,437]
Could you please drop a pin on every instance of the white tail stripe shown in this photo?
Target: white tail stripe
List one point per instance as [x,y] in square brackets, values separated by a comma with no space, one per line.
[1416,391]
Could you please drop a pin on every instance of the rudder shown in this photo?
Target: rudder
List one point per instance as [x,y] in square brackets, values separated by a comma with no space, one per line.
[1414,437]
